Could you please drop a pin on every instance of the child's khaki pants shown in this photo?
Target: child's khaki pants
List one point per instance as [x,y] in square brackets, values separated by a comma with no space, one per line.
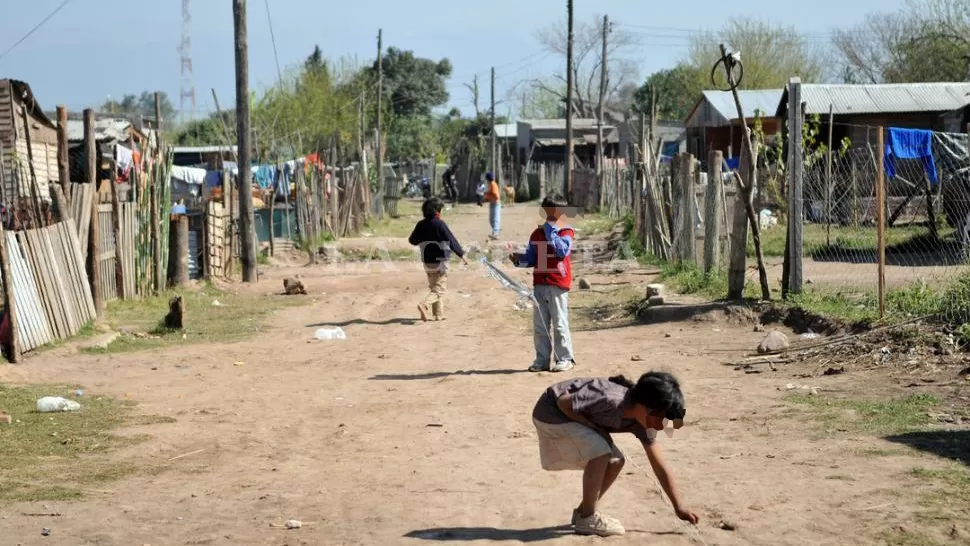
[438,284]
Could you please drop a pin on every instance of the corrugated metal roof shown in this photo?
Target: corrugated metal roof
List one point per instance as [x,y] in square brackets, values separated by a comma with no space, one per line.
[203,149]
[104,129]
[506,130]
[881,98]
[724,110]
[580,123]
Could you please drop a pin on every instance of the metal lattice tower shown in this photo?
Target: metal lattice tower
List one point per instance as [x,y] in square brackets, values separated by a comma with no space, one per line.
[185,50]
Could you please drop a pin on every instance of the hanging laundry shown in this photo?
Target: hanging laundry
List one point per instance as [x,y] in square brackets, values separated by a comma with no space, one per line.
[124,158]
[911,144]
[281,184]
[213,179]
[188,175]
[265,175]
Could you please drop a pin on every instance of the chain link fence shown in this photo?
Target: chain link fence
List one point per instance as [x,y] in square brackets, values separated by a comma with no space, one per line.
[925,200]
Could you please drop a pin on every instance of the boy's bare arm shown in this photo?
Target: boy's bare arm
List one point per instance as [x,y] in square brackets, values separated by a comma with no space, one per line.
[666,479]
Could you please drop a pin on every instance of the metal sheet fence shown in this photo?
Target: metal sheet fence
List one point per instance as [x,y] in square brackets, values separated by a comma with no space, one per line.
[50,288]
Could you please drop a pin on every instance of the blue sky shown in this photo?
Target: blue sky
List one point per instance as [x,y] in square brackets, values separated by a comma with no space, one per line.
[93,49]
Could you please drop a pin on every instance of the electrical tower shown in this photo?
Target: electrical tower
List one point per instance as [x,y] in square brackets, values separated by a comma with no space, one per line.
[187,90]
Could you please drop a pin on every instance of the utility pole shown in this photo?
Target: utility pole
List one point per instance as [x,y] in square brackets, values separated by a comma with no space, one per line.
[248,250]
[599,122]
[569,104]
[380,137]
[492,115]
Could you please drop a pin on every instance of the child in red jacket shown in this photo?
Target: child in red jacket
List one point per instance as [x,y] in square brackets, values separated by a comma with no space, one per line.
[550,246]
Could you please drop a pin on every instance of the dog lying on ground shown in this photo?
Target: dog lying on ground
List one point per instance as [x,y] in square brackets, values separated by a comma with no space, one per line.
[509,197]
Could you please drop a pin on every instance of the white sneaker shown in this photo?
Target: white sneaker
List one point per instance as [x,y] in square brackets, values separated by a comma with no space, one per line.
[562,366]
[599,525]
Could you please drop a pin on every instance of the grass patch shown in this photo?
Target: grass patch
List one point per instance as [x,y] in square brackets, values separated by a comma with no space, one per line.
[355,254]
[603,308]
[55,456]
[596,223]
[906,538]
[236,318]
[954,484]
[409,212]
[849,240]
[878,418]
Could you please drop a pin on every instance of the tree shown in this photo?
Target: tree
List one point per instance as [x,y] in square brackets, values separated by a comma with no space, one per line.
[209,131]
[929,40]
[539,100]
[771,54]
[587,62]
[677,89]
[412,85]
[140,105]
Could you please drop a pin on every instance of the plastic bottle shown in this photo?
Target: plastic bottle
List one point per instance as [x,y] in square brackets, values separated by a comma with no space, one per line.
[324,334]
[50,404]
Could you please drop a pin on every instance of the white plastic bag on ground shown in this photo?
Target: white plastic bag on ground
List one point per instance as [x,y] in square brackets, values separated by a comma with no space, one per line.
[51,404]
[330,333]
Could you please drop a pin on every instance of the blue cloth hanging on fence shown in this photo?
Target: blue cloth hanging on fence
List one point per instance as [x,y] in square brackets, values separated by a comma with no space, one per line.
[733,163]
[911,144]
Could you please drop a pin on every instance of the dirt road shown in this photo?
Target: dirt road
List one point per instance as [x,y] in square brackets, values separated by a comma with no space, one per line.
[411,433]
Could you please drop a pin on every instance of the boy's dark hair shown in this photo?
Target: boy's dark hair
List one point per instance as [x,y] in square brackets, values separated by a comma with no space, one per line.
[554,201]
[657,391]
[432,206]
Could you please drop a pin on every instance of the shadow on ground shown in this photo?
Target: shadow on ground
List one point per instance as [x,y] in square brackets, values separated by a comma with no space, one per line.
[491,533]
[438,375]
[404,321]
[471,534]
[951,444]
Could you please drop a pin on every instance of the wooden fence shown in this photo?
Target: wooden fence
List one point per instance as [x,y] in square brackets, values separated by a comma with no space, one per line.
[49,288]
[217,241]
[108,259]
[80,200]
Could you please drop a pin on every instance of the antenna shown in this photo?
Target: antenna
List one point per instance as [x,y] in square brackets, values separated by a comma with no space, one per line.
[187,85]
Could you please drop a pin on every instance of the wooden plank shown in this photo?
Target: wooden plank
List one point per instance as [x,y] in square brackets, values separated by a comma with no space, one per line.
[82,291]
[62,285]
[40,278]
[48,290]
[57,283]
[71,304]
[78,269]
[77,279]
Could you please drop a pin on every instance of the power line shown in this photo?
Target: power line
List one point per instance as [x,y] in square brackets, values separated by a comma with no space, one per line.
[272,36]
[33,30]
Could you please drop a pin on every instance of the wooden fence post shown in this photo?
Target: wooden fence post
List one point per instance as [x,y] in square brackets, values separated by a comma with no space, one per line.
[688,209]
[792,281]
[9,299]
[94,233]
[179,250]
[881,220]
[119,248]
[63,157]
[712,209]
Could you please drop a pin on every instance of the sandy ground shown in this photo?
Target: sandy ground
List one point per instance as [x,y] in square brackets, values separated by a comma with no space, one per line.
[421,433]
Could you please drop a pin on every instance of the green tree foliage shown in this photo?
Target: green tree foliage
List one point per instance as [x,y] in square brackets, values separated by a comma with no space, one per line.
[208,131]
[140,105]
[312,105]
[677,90]
[772,54]
[412,85]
